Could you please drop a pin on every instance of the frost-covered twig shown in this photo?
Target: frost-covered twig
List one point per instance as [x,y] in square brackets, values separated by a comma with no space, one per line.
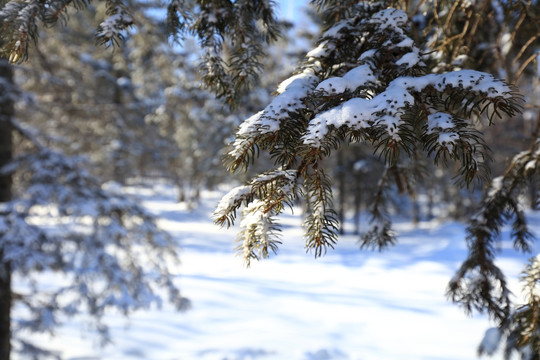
[264,197]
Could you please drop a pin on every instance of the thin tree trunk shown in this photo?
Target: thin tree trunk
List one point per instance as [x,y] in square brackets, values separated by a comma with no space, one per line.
[6,155]
[357,205]
[341,184]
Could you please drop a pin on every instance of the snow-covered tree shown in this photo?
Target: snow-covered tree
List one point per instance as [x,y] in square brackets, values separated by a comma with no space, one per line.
[389,75]
[84,89]
[232,33]
[106,248]
[76,115]
[373,80]
[197,126]
[366,81]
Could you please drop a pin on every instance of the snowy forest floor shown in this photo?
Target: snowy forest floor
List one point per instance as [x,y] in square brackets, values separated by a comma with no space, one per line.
[349,305]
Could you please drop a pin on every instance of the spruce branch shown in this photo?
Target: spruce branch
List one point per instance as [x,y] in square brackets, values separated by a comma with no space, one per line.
[321,224]
[479,284]
[19,21]
[110,32]
[57,11]
[352,89]
[381,235]
[258,232]
[263,198]
[233,35]
[525,325]
[19,27]
[179,16]
[520,333]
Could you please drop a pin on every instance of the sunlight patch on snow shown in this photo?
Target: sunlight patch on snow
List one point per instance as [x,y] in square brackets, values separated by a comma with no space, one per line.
[350,304]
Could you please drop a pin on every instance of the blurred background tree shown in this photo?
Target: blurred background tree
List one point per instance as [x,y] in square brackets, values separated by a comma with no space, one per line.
[136,109]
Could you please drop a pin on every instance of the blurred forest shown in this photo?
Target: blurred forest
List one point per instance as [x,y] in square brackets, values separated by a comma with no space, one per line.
[136,110]
[140,109]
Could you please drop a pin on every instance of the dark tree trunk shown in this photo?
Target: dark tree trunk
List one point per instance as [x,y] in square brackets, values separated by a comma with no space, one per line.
[181,190]
[534,185]
[431,201]
[6,155]
[341,184]
[357,205]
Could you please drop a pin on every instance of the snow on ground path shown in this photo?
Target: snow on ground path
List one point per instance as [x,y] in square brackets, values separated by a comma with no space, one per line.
[351,304]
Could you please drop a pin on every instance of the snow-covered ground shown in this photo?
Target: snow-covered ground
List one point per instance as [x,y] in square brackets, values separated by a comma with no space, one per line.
[350,304]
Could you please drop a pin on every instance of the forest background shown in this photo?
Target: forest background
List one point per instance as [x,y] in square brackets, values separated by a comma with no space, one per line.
[86,117]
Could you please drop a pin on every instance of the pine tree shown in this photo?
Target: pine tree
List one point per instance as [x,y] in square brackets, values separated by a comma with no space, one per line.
[106,248]
[375,78]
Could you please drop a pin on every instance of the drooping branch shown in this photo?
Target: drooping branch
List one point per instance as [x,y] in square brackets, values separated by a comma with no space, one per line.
[479,284]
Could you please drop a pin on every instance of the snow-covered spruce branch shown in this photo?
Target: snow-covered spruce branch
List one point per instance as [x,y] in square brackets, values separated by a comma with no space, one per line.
[244,26]
[263,198]
[20,19]
[479,284]
[380,234]
[272,184]
[366,81]
[262,128]
[384,116]
[523,332]
[274,124]
[453,138]
[258,232]
[520,333]
[380,113]
[108,250]
[111,30]
[321,223]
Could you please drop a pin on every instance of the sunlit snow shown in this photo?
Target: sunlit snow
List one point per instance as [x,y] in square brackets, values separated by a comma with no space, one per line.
[350,304]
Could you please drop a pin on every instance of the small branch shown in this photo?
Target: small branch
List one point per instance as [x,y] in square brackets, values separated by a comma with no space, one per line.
[27,134]
[450,14]
[520,21]
[524,65]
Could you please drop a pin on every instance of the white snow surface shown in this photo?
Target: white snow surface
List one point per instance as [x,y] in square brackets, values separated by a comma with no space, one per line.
[321,51]
[390,18]
[290,93]
[410,59]
[350,304]
[439,120]
[358,113]
[354,78]
[491,341]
